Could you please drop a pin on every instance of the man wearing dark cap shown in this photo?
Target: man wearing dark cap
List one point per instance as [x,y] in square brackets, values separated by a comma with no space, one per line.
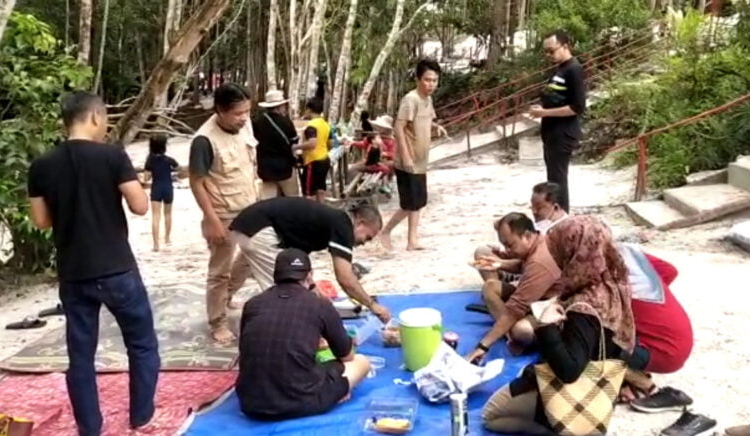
[280,331]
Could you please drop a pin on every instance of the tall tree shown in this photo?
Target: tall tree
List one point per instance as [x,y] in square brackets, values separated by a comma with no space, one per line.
[346,53]
[6,7]
[188,37]
[498,36]
[84,32]
[172,24]
[393,36]
[273,19]
[316,31]
[102,45]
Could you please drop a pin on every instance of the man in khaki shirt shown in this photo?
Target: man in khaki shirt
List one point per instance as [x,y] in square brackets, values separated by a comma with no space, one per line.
[521,241]
[413,132]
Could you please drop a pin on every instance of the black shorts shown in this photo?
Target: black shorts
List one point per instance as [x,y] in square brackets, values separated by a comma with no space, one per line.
[412,190]
[314,176]
[162,193]
[334,388]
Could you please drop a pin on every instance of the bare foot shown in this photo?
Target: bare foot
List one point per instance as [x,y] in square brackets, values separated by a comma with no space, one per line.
[414,247]
[346,398]
[233,305]
[155,249]
[385,241]
[222,335]
[167,242]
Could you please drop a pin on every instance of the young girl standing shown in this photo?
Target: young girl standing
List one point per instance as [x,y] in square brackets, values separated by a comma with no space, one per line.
[160,167]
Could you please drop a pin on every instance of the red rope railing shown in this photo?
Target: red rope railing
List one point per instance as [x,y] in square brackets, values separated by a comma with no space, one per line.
[642,140]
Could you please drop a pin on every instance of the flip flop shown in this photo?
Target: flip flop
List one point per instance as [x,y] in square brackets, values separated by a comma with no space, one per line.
[477,307]
[30,322]
[53,311]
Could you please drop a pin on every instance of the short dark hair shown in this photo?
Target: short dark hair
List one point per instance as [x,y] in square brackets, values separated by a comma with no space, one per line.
[561,36]
[426,65]
[517,222]
[157,144]
[228,95]
[551,191]
[315,105]
[367,213]
[76,106]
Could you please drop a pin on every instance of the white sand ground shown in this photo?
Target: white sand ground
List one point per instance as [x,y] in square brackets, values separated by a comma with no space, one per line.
[464,199]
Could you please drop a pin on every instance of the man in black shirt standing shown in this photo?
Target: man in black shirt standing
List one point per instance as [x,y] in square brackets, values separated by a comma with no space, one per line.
[563,103]
[77,189]
[276,136]
[265,228]
[280,331]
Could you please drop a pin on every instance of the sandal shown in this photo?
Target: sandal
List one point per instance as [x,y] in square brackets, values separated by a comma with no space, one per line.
[30,322]
[53,311]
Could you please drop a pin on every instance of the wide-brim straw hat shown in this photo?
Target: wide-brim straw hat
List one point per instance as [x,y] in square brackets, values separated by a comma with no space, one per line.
[274,98]
[383,122]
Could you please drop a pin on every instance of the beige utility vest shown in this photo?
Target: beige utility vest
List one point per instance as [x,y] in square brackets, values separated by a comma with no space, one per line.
[231,179]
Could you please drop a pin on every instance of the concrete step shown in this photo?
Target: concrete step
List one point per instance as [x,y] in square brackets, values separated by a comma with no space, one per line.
[524,125]
[460,146]
[658,215]
[739,173]
[530,151]
[707,202]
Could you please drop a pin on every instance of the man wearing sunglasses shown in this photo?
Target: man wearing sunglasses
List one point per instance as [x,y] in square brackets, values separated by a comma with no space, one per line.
[563,102]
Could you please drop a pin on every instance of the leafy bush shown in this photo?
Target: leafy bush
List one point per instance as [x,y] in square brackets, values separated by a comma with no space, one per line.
[34,72]
[696,77]
[585,20]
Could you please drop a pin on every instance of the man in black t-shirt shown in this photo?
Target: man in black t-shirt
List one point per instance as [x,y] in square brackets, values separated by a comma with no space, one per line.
[265,228]
[276,136]
[563,103]
[280,332]
[77,189]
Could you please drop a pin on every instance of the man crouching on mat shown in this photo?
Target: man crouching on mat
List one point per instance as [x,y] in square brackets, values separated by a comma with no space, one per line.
[510,306]
[280,331]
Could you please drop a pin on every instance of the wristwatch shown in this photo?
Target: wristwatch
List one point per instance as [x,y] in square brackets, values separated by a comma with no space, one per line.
[481,346]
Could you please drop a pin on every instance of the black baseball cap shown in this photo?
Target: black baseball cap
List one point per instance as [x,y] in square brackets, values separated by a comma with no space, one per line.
[291,264]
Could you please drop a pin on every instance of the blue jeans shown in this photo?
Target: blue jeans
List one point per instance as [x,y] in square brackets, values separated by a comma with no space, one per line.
[125,296]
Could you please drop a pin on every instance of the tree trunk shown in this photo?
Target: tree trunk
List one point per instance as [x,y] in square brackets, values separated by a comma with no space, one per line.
[6,7]
[346,53]
[84,32]
[390,105]
[102,46]
[273,19]
[188,37]
[702,6]
[293,73]
[393,36]
[522,13]
[316,31]
[497,37]
[67,24]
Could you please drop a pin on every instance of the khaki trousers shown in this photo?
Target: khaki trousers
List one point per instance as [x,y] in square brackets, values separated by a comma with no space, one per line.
[260,253]
[227,273]
[505,413]
[288,187]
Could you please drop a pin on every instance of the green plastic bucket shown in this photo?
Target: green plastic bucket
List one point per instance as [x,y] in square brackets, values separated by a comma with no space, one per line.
[421,333]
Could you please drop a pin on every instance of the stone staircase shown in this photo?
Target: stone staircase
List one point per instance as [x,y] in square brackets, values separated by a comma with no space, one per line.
[694,204]
[479,142]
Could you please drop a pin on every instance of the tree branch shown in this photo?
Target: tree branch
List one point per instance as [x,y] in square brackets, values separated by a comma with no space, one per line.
[414,16]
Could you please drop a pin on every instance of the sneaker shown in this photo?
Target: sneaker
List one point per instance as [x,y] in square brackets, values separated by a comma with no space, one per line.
[740,430]
[664,400]
[690,424]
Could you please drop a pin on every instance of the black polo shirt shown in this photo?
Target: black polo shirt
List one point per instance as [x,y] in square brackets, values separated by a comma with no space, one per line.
[566,87]
[280,331]
[300,223]
[276,135]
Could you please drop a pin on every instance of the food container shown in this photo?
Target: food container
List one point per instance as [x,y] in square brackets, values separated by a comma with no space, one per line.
[390,416]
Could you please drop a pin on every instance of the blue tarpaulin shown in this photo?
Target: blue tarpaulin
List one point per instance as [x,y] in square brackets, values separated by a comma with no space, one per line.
[349,418]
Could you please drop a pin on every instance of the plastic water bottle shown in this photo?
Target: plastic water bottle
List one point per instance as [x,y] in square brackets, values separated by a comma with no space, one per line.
[370,327]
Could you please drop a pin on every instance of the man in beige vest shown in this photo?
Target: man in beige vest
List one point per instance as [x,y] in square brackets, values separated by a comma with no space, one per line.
[223,181]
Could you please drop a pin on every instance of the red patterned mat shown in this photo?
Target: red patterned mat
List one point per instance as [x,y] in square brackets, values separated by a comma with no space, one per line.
[44,399]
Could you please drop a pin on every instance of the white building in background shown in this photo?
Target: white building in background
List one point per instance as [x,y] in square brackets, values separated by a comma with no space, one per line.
[468,50]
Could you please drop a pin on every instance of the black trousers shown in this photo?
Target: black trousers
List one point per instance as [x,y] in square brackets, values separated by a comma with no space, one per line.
[557,152]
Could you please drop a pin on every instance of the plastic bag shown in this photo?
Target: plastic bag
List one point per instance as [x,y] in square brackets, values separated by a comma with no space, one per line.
[449,373]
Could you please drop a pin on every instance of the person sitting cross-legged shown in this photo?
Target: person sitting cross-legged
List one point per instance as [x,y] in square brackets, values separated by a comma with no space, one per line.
[280,331]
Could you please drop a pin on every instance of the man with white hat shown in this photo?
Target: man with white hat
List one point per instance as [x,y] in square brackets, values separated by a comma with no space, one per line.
[276,135]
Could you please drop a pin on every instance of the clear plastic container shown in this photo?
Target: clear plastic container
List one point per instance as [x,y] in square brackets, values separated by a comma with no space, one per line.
[390,416]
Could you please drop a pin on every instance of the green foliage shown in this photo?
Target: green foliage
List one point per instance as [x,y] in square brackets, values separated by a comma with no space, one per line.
[696,78]
[585,20]
[34,72]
